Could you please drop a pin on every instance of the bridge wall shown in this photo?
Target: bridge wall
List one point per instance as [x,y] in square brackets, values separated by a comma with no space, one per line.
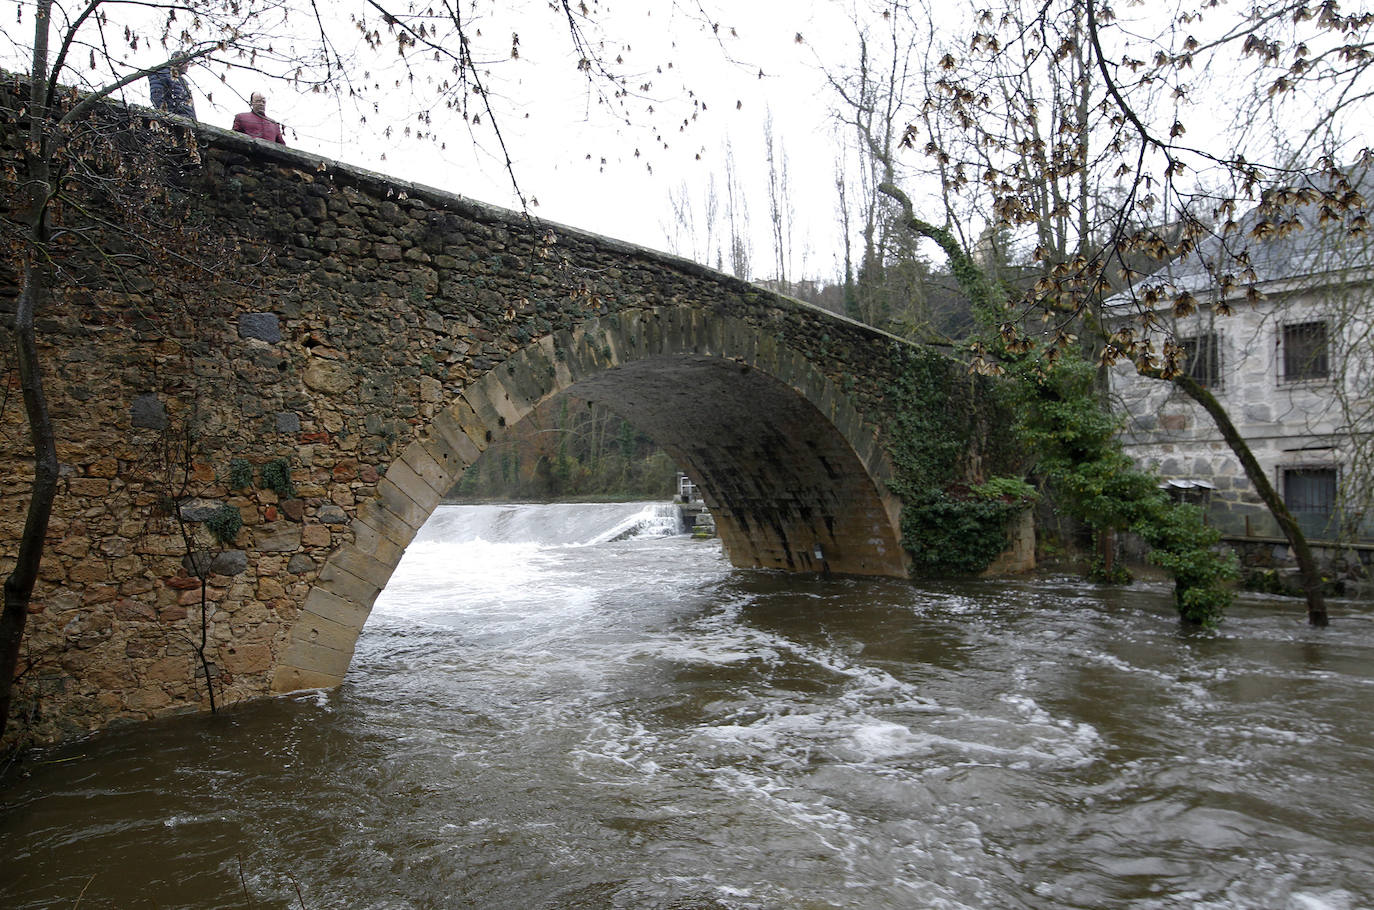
[374,337]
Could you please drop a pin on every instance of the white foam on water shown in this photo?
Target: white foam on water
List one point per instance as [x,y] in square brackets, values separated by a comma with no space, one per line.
[549,524]
[1332,900]
[660,519]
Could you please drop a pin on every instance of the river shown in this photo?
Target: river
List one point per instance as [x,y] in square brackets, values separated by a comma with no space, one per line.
[570,707]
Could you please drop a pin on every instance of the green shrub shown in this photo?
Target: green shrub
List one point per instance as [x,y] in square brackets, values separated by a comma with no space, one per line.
[947,527]
[225,523]
[1006,489]
[276,476]
[1082,464]
[1182,544]
[949,536]
[240,475]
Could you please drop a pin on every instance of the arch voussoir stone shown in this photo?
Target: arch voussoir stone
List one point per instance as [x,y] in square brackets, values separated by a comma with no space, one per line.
[414,487]
[450,426]
[422,458]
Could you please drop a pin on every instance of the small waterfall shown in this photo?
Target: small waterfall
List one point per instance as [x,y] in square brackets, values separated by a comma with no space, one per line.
[551,524]
[660,519]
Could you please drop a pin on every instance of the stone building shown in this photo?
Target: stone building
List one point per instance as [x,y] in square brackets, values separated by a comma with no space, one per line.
[1294,369]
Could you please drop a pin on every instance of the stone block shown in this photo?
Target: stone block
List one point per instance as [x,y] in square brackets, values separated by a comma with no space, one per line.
[475,426]
[423,463]
[103,467]
[199,509]
[431,390]
[341,610]
[260,326]
[88,572]
[1174,423]
[491,402]
[528,377]
[299,564]
[375,519]
[447,429]
[292,678]
[401,503]
[127,610]
[147,699]
[332,515]
[277,537]
[379,546]
[314,629]
[168,669]
[191,597]
[91,487]
[354,561]
[148,412]
[229,562]
[270,589]
[346,585]
[136,648]
[329,377]
[75,547]
[245,658]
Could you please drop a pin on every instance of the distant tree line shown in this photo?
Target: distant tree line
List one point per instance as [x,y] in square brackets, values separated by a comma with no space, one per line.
[569,448]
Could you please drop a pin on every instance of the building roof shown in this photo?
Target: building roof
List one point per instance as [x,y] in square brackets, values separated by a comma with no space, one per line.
[1277,242]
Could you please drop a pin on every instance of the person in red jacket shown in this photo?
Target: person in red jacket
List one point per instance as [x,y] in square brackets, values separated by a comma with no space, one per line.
[256,123]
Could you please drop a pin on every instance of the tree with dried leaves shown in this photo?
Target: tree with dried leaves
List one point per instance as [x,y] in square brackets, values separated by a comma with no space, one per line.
[1111,142]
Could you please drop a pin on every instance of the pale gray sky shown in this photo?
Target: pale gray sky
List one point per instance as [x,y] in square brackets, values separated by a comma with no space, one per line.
[558,133]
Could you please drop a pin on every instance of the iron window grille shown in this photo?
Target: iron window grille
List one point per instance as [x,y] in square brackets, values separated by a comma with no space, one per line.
[1305,353]
[1203,363]
[1310,494]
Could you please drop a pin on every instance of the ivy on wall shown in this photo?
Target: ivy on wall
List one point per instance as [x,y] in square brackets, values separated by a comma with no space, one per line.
[959,443]
[948,442]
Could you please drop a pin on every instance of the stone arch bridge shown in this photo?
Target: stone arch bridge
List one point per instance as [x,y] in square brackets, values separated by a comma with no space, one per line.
[374,337]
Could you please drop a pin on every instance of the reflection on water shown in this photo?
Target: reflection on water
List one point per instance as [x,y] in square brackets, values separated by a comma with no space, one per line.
[564,722]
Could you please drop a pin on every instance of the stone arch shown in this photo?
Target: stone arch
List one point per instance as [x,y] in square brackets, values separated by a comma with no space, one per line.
[787,464]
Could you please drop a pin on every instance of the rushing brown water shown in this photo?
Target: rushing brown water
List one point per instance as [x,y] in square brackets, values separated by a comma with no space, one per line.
[538,720]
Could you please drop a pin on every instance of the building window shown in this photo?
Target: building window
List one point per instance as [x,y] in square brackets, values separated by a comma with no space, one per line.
[1203,354]
[1310,494]
[1305,352]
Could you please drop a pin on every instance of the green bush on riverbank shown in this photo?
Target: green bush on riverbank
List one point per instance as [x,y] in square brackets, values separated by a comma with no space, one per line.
[568,450]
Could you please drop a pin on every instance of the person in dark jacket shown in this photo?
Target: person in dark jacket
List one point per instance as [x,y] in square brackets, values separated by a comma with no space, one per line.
[256,123]
[169,91]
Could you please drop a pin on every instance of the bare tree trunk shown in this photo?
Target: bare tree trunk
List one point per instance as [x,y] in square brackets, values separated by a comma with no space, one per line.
[1307,565]
[20,583]
[737,213]
[971,279]
[777,201]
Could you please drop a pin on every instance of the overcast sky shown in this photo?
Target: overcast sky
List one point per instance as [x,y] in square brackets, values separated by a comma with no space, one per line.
[559,134]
